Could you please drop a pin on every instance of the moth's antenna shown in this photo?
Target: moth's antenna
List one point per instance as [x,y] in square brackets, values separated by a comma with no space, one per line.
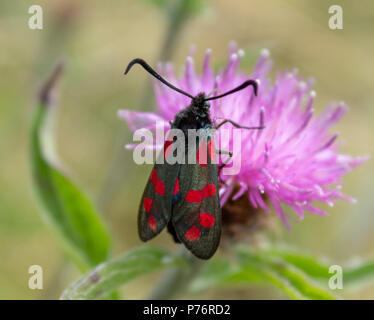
[147,67]
[242,86]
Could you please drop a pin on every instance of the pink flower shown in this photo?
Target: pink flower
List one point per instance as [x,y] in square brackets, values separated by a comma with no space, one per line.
[293,161]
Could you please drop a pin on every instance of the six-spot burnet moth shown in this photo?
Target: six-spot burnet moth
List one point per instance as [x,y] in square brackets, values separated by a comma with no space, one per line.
[184,197]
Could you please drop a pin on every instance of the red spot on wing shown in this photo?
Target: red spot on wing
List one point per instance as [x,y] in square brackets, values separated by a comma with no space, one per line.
[167,148]
[160,187]
[212,150]
[207,220]
[201,154]
[152,223]
[147,204]
[153,178]
[193,234]
[176,187]
[194,196]
[209,190]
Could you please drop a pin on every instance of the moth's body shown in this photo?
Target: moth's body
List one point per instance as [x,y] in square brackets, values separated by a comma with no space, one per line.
[196,116]
[184,196]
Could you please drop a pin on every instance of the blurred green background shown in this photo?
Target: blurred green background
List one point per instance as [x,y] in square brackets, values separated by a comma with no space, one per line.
[97,39]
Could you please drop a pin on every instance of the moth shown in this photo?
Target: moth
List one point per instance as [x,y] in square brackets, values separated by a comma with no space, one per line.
[184,196]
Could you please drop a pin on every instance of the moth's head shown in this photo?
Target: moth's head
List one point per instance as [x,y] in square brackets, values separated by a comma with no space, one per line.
[199,102]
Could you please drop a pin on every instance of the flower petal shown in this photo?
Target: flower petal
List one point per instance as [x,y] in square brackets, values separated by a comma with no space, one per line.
[138,120]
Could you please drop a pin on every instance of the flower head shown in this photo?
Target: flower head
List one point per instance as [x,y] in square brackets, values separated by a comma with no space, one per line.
[293,161]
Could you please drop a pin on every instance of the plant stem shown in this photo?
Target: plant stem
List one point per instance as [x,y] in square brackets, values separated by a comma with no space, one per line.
[176,279]
[177,16]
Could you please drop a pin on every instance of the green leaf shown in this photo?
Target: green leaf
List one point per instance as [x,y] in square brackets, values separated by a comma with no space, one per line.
[110,275]
[259,267]
[312,266]
[223,272]
[287,277]
[361,273]
[298,275]
[74,217]
[215,272]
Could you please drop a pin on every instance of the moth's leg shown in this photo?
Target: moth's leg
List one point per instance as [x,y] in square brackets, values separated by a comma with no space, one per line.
[236,125]
[219,114]
[229,153]
[224,152]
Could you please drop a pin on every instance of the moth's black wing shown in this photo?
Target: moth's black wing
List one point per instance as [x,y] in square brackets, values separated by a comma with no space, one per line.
[196,216]
[156,203]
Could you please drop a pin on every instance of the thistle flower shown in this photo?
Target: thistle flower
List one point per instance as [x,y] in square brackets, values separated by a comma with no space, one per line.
[293,161]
